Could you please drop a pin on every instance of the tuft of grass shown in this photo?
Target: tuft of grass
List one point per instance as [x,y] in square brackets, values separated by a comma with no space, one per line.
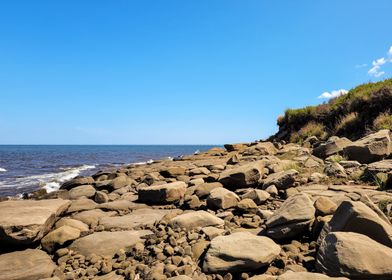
[383,121]
[347,124]
[292,165]
[310,129]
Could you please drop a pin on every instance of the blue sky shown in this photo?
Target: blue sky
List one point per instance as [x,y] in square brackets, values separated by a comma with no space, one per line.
[175,71]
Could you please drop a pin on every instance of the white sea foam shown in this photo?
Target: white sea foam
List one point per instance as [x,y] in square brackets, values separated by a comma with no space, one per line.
[3,170]
[49,181]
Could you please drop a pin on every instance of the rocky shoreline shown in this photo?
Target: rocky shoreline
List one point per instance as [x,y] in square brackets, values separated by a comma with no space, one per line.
[259,211]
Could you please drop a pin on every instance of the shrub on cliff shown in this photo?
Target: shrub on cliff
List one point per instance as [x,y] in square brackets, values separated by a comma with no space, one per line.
[310,129]
[352,115]
[383,121]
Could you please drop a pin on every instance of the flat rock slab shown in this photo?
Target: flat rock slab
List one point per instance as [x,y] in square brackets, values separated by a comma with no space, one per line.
[23,222]
[107,243]
[194,219]
[30,264]
[136,218]
[238,252]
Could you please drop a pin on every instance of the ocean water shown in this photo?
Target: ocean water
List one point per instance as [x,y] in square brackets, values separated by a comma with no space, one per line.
[25,168]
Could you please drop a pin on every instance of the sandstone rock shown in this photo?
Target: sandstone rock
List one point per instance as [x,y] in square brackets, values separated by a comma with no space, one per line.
[263,148]
[290,275]
[122,205]
[82,191]
[333,146]
[247,205]
[235,147]
[221,198]
[82,204]
[119,182]
[324,206]
[23,222]
[371,148]
[134,219]
[162,194]
[78,181]
[72,223]
[205,189]
[180,277]
[355,256]
[282,180]
[101,197]
[110,276]
[335,169]
[191,220]
[355,216]
[30,264]
[258,196]
[241,251]
[243,176]
[199,171]
[173,171]
[292,218]
[234,159]
[90,217]
[107,243]
[58,237]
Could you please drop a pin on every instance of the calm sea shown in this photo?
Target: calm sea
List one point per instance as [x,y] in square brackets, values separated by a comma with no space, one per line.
[24,168]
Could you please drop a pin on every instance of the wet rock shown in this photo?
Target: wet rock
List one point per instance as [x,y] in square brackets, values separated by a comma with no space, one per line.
[241,251]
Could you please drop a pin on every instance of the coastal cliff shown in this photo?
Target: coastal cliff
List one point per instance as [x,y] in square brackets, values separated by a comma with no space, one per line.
[261,210]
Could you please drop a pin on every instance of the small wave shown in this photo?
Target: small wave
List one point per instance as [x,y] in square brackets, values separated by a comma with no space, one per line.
[3,170]
[49,181]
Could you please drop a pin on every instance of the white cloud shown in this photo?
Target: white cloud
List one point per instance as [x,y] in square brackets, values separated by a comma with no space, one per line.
[376,71]
[333,94]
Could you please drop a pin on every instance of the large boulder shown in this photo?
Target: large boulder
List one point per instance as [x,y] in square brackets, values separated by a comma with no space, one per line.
[291,275]
[243,176]
[77,181]
[195,219]
[221,198]
[59,237]
[30,264]
[23,222]
[136,218]
[173,171]
[240,251]
[107,243]
[162,194]
[205,189]
[236,147]
[82,191]
[263,148]
[293,218]
[355,216]
[282,180]
[355,256]
[371,148]
[333,146]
